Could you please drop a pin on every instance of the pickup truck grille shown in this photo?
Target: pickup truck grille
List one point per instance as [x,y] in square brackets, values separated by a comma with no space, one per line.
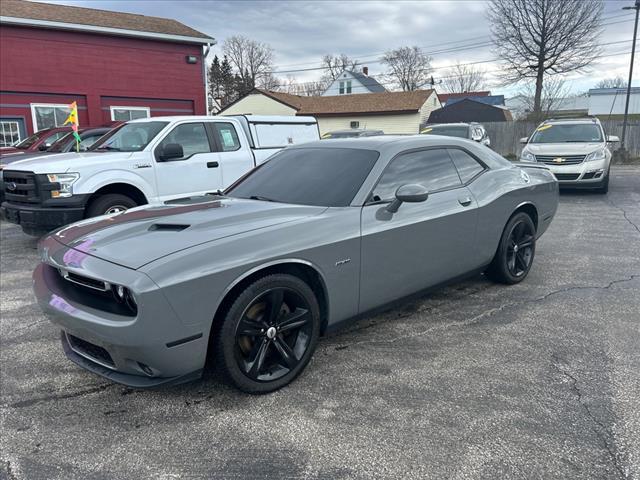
[566,159]
[20,187]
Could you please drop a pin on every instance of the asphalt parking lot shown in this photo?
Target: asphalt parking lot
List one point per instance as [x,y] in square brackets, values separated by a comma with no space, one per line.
[537,380]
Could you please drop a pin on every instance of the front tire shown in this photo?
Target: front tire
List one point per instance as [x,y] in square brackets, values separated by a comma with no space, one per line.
[110,203]
[269,334]
[514,257]
[604,185]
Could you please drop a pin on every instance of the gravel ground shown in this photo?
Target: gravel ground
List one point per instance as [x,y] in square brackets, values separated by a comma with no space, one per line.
[537,380]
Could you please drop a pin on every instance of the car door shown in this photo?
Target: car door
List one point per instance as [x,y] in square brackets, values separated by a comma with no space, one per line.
[422,244]
[235,158]
[196,172]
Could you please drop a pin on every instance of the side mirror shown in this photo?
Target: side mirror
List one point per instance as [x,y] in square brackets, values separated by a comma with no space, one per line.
[171,151]
[412,193]
[524,140]
[476,137]
[613,138]
[43,147]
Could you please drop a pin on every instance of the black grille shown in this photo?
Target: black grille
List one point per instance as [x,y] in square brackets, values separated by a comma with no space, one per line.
[20,187]
[560,159]
[90,350]
[567,176]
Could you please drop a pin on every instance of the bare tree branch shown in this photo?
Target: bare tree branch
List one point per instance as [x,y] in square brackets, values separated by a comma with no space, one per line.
[334,65]
[538,38]
[253,60]
[408,67]
[614,82]
[463,78]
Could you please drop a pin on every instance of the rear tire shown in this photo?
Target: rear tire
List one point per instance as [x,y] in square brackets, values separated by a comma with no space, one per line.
[517,247]
[110,203]
[268,335]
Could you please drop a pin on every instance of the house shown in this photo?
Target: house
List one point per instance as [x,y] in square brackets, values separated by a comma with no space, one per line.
[611,101]
[350,82]
[116,66]
[391,112]
[469,110]
[446,98]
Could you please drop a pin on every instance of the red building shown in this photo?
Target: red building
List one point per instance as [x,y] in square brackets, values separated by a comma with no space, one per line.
[116,66]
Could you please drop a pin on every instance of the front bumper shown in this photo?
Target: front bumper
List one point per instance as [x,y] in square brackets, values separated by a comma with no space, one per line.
[39,219]
[149,349]
[582,175]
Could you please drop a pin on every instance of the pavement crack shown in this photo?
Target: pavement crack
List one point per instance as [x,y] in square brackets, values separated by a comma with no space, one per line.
[32,401]
[488,313]
[624,214]
[10,473]
[603,433]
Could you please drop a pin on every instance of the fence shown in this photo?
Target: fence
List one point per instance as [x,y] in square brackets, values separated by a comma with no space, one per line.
[505,136]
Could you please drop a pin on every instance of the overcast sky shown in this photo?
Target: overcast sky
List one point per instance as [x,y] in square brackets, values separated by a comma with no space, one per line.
[300,32]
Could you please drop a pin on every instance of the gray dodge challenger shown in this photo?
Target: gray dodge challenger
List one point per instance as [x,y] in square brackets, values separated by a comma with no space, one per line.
[251,277]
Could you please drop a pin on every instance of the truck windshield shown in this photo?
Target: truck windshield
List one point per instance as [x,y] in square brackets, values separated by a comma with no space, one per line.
[328,177]
[461,131]
[131,137]
[564,133]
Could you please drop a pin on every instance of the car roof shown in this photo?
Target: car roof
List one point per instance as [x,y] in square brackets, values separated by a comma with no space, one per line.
[387,142]
[573,120]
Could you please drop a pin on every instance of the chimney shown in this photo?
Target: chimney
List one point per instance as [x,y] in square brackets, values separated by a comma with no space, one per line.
[365,70]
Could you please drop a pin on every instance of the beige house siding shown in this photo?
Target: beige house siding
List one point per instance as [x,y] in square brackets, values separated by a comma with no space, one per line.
[398,123]
[429,106]
[258,104]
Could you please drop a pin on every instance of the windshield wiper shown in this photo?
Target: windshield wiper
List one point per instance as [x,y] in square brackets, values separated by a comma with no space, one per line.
[107,147]
[260,197]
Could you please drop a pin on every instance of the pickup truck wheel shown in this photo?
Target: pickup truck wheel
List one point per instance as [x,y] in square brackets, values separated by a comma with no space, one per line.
[269,334]
[110,203]
[516,250]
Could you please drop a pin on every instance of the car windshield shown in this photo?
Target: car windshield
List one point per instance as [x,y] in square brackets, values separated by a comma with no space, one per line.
[28,142]
[328,177]
[569,132]
[461,131]
[58,145]
[131,137]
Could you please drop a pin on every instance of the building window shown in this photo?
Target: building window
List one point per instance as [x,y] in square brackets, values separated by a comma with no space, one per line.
[124,114]
[9,133]
[341,88]
[48,115]
[348,86]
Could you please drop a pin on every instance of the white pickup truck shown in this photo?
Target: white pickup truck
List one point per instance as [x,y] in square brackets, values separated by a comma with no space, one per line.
[149,160]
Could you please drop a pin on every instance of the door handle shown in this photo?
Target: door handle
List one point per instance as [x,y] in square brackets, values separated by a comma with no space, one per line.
[213,164]
[464,201]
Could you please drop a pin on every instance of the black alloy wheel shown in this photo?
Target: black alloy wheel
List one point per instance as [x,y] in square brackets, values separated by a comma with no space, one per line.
[520,248]
[514,256]
[269,334]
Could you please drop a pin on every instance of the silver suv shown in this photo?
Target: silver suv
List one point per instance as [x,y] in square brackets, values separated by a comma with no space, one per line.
[576,150]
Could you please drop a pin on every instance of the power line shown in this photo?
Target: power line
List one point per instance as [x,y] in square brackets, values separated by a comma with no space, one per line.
[451,50]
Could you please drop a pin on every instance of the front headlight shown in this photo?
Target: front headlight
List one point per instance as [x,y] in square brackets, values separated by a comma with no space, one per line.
[527,156]
[597,155]
[66,180]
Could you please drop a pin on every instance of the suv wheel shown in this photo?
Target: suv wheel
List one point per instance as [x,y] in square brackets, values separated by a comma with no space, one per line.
[604,185]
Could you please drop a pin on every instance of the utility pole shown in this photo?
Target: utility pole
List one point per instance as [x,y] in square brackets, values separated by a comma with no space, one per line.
[636,7]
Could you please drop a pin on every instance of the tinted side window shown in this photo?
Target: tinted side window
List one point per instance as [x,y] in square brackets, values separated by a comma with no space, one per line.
[466,165]
[431,168]
[191,136]
[226,136]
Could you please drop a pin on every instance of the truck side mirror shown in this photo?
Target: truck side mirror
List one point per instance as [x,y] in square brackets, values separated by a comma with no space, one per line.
[171,151]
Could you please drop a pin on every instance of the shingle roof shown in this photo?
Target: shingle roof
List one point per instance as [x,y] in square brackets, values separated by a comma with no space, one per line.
[366,103]
[368,82]
[97,18]
[444,97]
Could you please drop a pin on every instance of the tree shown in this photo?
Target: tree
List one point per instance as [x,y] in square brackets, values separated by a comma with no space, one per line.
[535,38]
[463,78]
[252,60]
[408,67]
[615,82]
[334,65]
[555,92]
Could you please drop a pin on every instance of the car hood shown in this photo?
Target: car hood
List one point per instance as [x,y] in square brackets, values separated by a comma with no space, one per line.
[63,162]
[141,235]
[563,148]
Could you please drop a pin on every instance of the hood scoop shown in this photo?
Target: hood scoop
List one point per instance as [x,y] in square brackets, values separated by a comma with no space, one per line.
[167,227]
